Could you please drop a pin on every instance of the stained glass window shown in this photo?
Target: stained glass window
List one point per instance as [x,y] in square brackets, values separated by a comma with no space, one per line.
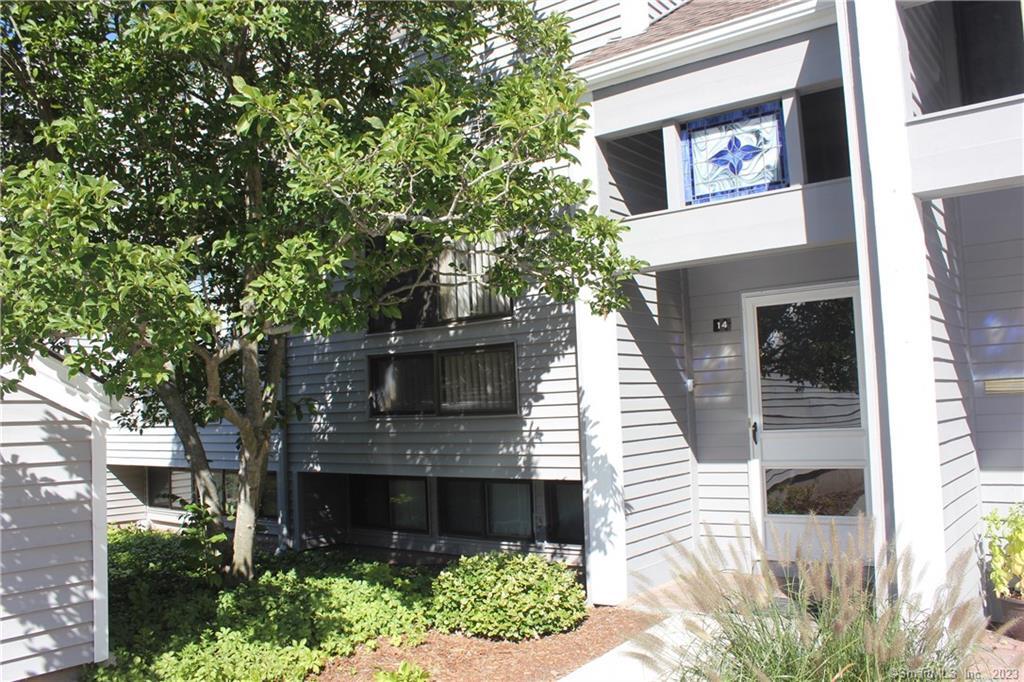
[734,153]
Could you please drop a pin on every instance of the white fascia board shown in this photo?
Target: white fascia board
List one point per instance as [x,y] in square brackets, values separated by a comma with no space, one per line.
[747,31]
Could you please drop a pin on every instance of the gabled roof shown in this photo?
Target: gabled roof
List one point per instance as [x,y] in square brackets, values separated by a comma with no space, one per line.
[688,18]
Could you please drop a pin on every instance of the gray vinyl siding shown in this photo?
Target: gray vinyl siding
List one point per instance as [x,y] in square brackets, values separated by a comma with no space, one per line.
[658,490]
[46,566]
[958,457]
[720,400]
[542,442]
[933,80]
[126,494]
[993,252]
[656,9]
[591,22]
[160,446]
[634,174]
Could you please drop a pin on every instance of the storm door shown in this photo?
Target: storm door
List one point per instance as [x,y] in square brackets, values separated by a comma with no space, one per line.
[806,426]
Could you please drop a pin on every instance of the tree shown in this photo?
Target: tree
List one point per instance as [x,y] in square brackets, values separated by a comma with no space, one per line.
[187,183]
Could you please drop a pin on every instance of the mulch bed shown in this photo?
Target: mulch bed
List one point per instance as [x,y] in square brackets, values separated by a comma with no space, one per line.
[453,657]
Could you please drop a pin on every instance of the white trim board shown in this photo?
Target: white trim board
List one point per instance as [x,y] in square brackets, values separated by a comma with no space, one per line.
[747,31]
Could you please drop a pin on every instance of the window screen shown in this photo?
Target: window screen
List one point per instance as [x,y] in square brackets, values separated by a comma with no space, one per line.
[453,289]
[462,292]
[391,503]
[563,505]
[459,381]
[488,509]
[369,497]
[478,380]
[509,510]
[461,506]
[268,496]
[402,384]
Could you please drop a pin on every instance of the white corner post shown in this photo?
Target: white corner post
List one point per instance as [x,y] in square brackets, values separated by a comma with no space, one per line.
[100,598]
[600,422]
[604,510]
[904,457]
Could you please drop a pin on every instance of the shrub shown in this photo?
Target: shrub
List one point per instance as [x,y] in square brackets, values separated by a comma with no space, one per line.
[1005,536]
[507,596]
[171,623]
[820,620]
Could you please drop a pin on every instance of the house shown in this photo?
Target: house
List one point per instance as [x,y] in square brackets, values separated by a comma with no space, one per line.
[830,201]
[53,563]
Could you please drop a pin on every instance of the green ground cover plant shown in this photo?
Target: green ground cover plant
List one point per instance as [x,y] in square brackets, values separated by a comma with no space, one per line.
[172,619]
[507,596]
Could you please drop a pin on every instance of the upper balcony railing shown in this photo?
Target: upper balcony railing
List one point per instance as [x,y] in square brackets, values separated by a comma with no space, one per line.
[961,54]
[965,84]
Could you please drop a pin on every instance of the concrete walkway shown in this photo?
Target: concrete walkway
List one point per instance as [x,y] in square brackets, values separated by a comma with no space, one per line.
[651,657]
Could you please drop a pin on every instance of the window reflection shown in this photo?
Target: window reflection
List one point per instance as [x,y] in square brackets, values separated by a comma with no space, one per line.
[826,492]
[808,358]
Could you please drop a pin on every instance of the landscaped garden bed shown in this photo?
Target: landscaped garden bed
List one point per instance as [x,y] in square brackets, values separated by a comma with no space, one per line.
[456,657]
[171,619]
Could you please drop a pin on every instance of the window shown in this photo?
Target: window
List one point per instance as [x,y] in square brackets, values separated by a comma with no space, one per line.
[563,505]
[734,153]
[823,120]
[168,488]
[388,503]
[450,382]
[486,508]
[451,291]
[478,380]
[227,485]
[402,384]
[826,492]
[268,497]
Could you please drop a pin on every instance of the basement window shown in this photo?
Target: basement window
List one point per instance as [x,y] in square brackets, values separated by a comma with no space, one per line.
[500,510]
[563,506]
[388,503]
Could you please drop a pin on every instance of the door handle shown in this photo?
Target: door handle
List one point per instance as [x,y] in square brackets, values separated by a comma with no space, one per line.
[753,432]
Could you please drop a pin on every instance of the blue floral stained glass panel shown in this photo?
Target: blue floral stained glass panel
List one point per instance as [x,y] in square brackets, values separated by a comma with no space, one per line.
[735,153]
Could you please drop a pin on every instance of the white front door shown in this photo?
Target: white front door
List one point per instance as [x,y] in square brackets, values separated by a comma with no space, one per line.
[806,429]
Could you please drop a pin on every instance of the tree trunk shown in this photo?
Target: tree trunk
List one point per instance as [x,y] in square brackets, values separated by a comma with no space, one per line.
[195,452]
[252,468]
[254,430]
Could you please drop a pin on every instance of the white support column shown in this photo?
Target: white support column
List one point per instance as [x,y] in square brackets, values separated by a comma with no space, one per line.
[794,139]
[99,420]
[601,456]
[673,167]
[597,378]
[892,264]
